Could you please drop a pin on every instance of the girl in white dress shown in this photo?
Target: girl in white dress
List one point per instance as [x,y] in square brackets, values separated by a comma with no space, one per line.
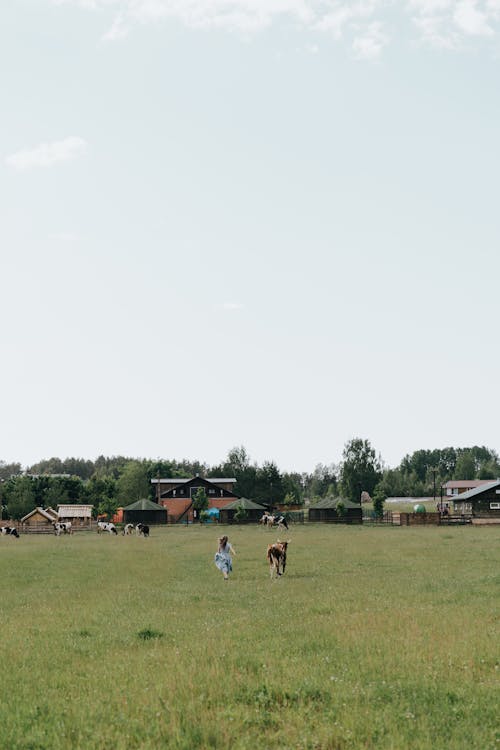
[223,556]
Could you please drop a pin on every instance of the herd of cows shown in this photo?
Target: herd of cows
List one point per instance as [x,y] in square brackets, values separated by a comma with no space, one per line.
[65,527]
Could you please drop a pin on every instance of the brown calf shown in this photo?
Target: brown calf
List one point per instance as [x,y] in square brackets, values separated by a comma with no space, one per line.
[276,556]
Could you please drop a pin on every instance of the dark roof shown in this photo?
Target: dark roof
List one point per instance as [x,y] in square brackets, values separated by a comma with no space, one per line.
[243,502]
[330,503]
[476,491]
[198,482]
[182,480]
[144,504]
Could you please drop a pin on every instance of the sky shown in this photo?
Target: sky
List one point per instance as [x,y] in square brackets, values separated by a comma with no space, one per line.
[270,223]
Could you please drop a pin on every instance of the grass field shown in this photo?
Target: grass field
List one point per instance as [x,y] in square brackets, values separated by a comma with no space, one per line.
[375,638]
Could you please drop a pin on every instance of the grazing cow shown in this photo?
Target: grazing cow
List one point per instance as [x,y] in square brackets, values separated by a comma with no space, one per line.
[280,522]
[276,557]
[106,526]
[142,530]
[271,521]
[62,527]
[128,529]
[9,531]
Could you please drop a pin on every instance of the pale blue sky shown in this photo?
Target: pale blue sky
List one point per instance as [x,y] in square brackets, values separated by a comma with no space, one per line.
[244,222]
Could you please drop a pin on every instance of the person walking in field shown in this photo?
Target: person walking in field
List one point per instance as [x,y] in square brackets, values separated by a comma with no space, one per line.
[223,558]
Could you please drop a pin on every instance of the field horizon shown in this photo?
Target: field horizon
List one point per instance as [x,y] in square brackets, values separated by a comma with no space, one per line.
[376,637]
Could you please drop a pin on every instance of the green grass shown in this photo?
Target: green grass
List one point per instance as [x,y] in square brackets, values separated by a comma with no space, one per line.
[375,638]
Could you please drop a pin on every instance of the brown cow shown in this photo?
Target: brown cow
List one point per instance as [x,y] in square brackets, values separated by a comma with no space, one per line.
[276,556]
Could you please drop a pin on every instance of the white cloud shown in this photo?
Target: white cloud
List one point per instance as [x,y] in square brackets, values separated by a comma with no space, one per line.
[437,31]
[471,20]
[47,154]
[369,45]
[362,23]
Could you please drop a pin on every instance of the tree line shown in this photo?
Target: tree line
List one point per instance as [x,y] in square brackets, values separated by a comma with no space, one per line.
[110,482]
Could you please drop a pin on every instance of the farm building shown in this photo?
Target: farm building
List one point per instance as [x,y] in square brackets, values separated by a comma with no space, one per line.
[326,510]
[78,515]
[176,495]
[145,511]
[40,518]
[455,487]
[252,511]
[482,502]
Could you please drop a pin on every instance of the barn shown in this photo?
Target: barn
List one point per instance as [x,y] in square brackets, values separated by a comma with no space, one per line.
[252,511]
[325,510]
[145,511]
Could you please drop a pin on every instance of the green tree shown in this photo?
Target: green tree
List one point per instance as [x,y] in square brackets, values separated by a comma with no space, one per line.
[241,513]
[18,497]
[289,499]
[101,493]
[7,471]
[489,470]
[465,467]
[293,484]
[323,481]
[133,483]
[200,501]
[340,509]
[360,469]
[269,485]
[239,466]
[378,501]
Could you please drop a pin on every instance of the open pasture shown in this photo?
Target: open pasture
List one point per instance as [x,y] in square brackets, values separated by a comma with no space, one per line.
[374,638]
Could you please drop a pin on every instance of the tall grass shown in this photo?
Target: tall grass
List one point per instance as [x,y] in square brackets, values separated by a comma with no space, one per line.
[374,638]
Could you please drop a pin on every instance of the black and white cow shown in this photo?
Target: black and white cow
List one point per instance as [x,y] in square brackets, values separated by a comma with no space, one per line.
[271,521]
[142,530]
[106,526]
[128,529]
[62,527]
[9,531]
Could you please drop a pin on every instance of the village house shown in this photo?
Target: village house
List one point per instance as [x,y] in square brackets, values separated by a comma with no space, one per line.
[455,487]
[481,503]
[176,495]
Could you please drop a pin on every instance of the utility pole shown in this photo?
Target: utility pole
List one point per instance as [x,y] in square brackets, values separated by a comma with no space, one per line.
[434,472]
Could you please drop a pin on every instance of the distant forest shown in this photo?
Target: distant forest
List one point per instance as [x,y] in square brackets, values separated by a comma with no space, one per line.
[110,482]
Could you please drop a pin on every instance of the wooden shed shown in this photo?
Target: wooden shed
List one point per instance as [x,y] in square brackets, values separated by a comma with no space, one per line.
[40,518]
[325,510]
[80,516]
[145,511]
[253,511]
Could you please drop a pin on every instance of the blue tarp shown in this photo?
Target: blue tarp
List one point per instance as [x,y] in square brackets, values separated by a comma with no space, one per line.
[212,515]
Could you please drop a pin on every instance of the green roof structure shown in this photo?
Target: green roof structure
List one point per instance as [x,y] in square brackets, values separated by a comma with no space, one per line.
[144,504]
[243,502]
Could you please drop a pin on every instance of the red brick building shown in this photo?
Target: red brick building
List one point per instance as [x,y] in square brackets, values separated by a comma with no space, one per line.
[176,495]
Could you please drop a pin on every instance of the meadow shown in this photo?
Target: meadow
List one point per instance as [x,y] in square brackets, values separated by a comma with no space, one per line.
[375,637]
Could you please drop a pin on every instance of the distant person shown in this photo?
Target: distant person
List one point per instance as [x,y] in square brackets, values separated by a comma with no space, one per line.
[223,557]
